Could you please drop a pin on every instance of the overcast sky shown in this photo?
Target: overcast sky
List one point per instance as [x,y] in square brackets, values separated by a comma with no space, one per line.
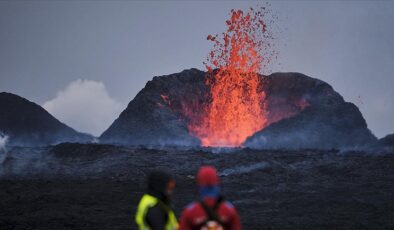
[52,50]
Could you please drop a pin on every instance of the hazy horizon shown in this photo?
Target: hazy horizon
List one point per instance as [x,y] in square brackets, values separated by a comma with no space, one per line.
[69,56]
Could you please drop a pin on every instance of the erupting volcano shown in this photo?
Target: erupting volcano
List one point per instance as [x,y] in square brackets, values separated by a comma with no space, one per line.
[236,102]
[236,109]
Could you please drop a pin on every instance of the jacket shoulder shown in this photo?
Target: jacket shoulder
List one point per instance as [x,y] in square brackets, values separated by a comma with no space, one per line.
[229,208]
[228,205]
[191,206]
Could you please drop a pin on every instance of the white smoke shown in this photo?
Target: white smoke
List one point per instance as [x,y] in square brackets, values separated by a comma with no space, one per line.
[85,105]
[245,169]
[3,142]
[3,151]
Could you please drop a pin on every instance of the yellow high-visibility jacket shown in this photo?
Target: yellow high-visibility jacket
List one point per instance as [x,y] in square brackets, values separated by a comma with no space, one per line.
[148,201]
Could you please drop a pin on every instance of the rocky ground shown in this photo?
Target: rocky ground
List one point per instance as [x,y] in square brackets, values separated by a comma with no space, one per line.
[73,186]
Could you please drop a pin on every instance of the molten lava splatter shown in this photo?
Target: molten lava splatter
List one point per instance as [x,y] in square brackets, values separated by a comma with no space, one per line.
[236,109]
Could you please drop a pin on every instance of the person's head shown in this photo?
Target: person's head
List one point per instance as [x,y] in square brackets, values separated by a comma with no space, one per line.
[208,182]
[161,184]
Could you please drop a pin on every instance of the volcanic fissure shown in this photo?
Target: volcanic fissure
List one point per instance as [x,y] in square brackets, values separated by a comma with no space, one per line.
[236,107]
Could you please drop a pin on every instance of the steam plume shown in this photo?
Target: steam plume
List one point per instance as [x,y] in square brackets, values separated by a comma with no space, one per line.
[3,151]
[3,142]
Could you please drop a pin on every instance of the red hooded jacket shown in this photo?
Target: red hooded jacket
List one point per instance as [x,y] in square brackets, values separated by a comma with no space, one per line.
[194,216]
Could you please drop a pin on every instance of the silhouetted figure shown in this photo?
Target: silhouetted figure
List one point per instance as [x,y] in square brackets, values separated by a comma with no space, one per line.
[154,210]
[212,212]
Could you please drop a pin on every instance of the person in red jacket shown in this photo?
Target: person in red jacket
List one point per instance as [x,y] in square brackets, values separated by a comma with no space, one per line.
[212,212]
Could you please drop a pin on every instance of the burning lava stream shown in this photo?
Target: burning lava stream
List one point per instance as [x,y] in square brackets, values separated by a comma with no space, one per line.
[237,107]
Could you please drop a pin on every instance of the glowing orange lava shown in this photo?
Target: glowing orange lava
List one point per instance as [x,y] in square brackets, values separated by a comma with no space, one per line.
[236,110]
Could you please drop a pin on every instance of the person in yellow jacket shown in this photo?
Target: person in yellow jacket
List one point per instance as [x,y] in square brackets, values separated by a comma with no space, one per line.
[154,211]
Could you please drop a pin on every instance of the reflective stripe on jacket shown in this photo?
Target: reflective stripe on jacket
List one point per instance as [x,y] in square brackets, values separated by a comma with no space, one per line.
[148,201]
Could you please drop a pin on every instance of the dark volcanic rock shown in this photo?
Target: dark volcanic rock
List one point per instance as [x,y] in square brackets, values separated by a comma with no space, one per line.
[27,123]
[290,93]
[153,116]
[383,145]
[387,141]
[326,121]
[317,127]
[73,186]
[303,112]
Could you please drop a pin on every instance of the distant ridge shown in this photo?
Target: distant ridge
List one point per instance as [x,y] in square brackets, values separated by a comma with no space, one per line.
[28,124]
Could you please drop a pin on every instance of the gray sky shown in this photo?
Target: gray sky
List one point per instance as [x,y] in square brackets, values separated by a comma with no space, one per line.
[46,46]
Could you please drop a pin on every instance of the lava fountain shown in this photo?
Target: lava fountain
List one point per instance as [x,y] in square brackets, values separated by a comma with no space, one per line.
[236,109]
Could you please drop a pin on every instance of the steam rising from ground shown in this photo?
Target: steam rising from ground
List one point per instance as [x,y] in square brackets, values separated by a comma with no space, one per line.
[245,169]
[3,151]
[3,142]
[85,105]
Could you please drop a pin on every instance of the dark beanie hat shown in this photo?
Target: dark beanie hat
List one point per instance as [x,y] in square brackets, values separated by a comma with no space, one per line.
[157,181]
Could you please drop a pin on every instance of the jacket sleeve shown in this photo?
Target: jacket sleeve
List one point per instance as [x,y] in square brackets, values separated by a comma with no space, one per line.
[235,221]
[156,218]
[185,221]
